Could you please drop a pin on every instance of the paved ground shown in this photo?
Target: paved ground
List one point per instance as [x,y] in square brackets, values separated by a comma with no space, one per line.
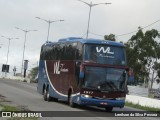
[25,96]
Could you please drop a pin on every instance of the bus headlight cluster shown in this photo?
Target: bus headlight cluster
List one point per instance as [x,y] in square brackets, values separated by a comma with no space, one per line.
[120,98]
[86,96]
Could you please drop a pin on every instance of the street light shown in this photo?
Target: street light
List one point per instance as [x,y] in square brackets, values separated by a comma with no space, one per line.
[25,31]
[91,5]
[9,39]
[49,22]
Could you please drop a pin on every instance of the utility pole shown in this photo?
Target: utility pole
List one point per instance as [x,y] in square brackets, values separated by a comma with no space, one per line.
[7,66]
[90,8]
[24,46]
[49,23]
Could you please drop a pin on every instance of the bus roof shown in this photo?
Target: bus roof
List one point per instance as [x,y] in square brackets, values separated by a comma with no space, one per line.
[90,41]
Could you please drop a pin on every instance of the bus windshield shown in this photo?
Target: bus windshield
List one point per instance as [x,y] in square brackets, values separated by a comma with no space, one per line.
[104,54]
[105,79]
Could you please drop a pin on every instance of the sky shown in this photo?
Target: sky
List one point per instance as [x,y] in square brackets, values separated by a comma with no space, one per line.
[120,17]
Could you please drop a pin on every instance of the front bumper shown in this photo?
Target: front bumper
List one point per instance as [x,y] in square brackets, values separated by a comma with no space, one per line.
[100,102]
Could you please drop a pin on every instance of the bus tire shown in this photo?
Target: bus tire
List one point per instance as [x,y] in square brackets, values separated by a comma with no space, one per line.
[109,109]
[45,94]
[49,98]
[70,101]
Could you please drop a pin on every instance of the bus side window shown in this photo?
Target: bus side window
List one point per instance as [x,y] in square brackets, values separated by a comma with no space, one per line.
[56,52]
[53,52]
[42,53]
[62,51]
[45,52]
[68,52]
[79,51]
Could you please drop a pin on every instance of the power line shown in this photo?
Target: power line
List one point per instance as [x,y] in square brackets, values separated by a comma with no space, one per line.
[151,24]
[128,32]
[96,34]
[83,35]
[137,30]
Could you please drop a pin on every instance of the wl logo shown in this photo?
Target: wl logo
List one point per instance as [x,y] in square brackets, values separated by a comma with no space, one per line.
[58,68]
[107,50]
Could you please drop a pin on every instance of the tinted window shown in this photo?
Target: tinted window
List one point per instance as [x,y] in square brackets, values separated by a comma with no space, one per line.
[79,51]
[62,51]
[107,79]
[105,54]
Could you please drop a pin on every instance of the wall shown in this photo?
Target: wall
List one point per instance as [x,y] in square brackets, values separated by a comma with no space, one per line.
[143,101]
[138,91]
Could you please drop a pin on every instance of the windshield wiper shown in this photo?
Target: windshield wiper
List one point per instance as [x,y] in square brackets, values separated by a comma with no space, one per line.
[91,87]
[103,84]
[113,85]
[110,84]
[90,61]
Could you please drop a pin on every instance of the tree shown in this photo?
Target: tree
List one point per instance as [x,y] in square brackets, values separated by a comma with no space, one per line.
[157,68]
[110,37]
[34,72]
[142,52]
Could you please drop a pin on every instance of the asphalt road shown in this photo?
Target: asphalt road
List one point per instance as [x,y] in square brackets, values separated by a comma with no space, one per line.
[25,95]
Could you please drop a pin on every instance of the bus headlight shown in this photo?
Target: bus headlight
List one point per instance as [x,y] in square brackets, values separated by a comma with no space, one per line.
[86,96]
[120,98]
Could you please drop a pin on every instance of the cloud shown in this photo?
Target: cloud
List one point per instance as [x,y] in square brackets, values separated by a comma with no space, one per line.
[122,16]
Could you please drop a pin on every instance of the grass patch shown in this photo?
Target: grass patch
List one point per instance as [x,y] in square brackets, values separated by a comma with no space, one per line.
[9,108]
[151,109]
[2,98]
[151,96]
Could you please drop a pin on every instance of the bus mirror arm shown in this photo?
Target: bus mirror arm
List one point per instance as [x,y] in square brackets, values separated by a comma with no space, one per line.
[127,69]
[78,63]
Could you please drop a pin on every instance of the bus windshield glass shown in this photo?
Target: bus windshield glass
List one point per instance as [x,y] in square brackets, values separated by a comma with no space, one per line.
[105,54]
[105,79]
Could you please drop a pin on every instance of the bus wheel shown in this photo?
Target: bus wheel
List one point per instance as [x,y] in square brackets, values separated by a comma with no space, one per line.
[45,94]
[48,96]
[70,101]
[109,109]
